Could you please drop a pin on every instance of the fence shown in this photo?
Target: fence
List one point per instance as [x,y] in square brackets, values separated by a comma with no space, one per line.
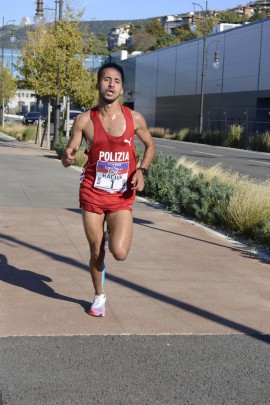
[252,119]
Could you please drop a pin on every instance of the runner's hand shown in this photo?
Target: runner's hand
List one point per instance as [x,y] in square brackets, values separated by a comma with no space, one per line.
[68,156]
[137,181]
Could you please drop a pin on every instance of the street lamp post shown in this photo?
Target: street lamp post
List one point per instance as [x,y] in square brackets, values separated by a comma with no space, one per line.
[12,39]
[193,27]
[58,106]
[39,19]
[203,64]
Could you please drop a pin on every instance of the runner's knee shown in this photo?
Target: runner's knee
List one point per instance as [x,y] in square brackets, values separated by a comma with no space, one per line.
[120,254]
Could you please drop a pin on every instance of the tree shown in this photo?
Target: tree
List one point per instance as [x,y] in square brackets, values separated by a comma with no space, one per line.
[142,41]
[230,17]
[8,85]
[100,45]
[185,35]
[52,62]
[7,90]
[164,40]
[155,28]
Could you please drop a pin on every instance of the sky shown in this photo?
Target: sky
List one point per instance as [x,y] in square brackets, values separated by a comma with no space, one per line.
[109,9]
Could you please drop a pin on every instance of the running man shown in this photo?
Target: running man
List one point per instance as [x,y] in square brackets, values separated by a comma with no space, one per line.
[110,177]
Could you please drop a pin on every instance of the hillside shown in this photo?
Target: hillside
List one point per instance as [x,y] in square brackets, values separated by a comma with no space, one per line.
[95,27]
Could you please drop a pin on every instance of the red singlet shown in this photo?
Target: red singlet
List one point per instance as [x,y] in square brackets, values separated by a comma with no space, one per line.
[106,178]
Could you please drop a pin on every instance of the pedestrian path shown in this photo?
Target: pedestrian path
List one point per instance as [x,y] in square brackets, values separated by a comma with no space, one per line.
[179,278]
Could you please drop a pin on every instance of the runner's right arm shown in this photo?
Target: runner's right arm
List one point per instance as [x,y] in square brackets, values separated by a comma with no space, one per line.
[74,142]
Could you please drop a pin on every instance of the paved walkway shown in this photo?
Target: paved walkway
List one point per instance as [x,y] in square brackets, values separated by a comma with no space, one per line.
[179,278]
[199,290]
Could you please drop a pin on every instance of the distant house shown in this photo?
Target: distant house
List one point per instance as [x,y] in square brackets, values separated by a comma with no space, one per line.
[118,36]
[245,11]
[171,22]
[24,100]
[260,4]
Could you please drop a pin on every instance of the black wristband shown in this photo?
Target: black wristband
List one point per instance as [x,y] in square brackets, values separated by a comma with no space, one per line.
[143,170]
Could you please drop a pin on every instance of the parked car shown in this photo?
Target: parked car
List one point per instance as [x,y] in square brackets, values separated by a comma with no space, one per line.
[72,115]
[32,118]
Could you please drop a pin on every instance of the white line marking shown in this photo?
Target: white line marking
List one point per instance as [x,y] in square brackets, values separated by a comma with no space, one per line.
[205,153]
[165,146]
[262,163]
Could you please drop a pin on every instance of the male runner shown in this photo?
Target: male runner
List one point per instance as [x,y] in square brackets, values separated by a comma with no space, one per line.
[110,177]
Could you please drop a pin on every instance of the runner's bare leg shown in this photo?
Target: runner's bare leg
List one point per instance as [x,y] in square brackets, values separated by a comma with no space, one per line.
[94,231]
[120,227]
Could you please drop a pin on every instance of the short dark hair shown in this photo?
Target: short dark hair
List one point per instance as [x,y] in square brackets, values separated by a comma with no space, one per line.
[111,65]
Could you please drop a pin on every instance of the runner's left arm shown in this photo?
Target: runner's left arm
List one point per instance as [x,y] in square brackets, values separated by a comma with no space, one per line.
[144,135]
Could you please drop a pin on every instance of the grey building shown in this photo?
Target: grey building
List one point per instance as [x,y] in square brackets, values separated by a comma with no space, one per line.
[165,85]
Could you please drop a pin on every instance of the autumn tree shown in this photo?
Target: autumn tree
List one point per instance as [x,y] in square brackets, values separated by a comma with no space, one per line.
[7,89]
[52,62]
[141,41]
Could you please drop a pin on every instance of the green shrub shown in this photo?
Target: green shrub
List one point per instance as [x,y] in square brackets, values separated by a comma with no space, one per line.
[215,138]
[29,134]
[182,192]
[236,137]
[193,136]
[260,142]
[61,144]
[261,233]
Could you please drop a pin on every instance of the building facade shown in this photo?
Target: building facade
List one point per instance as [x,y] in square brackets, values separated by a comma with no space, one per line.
[166,85]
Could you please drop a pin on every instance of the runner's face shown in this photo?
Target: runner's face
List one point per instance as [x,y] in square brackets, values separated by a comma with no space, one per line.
[110,85]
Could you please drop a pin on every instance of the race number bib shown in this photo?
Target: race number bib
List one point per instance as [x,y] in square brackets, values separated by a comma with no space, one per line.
[111,176]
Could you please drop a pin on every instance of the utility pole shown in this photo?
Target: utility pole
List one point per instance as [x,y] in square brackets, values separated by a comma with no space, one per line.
[57,102]
[12,39]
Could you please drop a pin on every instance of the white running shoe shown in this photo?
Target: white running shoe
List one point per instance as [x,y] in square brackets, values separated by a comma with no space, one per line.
[98,306]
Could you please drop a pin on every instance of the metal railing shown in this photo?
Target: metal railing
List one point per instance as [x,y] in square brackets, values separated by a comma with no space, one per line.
[252,119]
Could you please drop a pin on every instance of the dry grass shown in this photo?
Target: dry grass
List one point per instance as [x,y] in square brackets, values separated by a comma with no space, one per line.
[15,130]
[250,203]
[81,158]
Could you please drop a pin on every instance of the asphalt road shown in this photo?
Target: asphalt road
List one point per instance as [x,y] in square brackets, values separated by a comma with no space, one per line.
[110,368]
[131,370]
[255,165]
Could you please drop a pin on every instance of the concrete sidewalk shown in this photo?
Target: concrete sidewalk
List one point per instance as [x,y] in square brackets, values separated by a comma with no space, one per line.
[179,278]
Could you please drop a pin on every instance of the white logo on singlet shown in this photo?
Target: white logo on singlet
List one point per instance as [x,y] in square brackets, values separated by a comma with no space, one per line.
[128,141]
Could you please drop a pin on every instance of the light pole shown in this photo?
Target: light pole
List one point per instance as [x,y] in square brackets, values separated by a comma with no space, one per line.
[58,106]
[39,17]
[193,27]
[12,39]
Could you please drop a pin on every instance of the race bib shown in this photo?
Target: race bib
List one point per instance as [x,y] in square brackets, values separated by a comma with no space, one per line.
[111,176]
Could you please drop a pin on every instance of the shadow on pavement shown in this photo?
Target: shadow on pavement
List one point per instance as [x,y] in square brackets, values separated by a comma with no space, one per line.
[42,288]
[242,250]
[33,282]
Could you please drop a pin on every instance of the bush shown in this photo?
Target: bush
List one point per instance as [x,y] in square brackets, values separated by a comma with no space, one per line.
[81,157]
[248,208]
[182,135]
[215,138]
[29,133]
[260,142]
[211,196]
[159,132]
[261,233]
[182,192]
[236,137]
[61,144]
[15,130]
